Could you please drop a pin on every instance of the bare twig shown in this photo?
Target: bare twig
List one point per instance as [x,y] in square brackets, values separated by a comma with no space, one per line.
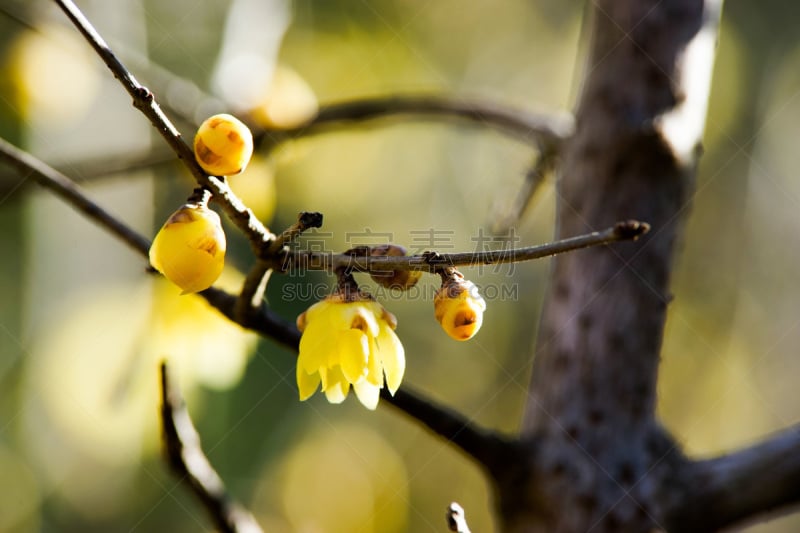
[253,289]
[487,447]
[255,284]
[266,322]
[543,130]
[185,455]
[726,490]
[97,169]
[432,262]
[507,216]
[65,188]
[305,221]
[456,519]
[145,102]
[262,320]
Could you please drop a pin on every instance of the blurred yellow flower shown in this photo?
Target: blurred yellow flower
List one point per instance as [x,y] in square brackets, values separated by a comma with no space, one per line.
[459,308]
[346,343]
[288,103]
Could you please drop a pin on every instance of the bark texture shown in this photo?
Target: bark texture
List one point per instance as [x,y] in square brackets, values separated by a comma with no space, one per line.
[595,458]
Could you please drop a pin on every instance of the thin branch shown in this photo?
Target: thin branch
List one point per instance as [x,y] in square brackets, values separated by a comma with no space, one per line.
[253,289]
[264,321]
[487,447]
[732,488]
[456,519]
[432,261]
[145,102]
[255,284]
[306,220]
[61,185]
[103,168]
[443,421]
[506,217]
[185,455]
[544,130]
[69,191]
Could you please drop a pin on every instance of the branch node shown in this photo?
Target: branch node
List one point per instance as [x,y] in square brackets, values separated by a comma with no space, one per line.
[144,94]
[309,219]
[305,221]
[630,229]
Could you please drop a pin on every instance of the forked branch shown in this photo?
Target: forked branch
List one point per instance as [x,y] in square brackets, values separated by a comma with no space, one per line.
[261,319]
[741,485]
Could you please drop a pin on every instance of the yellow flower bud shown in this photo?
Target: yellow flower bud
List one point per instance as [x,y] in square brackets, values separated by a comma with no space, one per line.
[190,248]
[223,145]
[459,308]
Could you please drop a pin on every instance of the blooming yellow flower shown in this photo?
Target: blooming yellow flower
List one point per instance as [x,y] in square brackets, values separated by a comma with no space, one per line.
[459,308]
[348,343]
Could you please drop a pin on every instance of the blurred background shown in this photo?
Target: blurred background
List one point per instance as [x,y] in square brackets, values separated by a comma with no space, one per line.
[83,326]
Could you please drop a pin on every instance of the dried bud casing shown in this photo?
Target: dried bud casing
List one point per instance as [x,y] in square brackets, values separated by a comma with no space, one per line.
[394,279]
[190,248]
[458,307]
[223,145]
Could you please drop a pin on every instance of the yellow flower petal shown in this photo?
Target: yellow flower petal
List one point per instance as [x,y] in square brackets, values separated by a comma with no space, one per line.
[367,393]
[353,350]
[359,315]
[463,321]
[306,383]
[315,344]
[374,366]
[338,386]
[393,358]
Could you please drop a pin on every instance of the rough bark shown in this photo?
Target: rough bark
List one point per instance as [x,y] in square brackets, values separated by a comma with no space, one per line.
[596,458]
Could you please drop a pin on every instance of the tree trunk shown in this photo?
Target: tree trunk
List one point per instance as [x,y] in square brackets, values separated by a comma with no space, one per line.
[593,457]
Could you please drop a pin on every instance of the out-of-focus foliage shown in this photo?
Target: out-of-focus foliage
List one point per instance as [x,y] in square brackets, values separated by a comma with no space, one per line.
[83,326]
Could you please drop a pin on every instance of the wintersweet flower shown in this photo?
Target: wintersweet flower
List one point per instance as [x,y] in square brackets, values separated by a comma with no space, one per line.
[349,343]
[459,308]
[190,248]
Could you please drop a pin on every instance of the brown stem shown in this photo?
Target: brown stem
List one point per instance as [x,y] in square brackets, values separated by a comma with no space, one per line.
[65,188]
[185,455]
[547,131]
[145,102]
[433,262]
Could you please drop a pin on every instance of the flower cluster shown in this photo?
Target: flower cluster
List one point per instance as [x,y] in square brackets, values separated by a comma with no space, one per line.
[348,339]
